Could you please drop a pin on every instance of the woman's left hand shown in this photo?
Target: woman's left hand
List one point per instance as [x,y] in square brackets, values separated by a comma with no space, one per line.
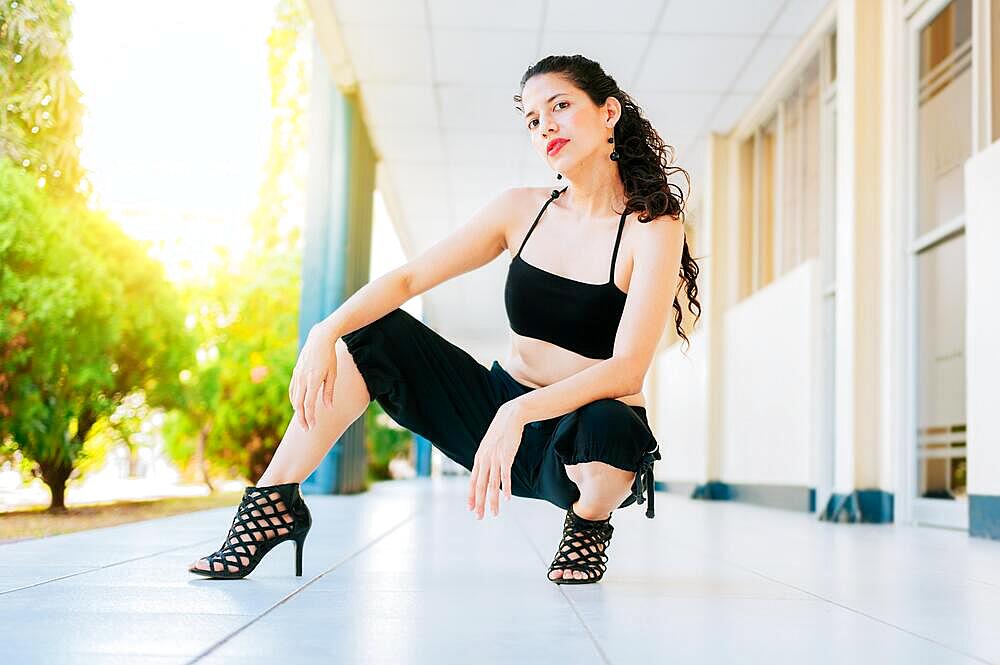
[494,459]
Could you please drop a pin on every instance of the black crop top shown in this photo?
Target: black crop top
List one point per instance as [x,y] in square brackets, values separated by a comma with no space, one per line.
[578,316]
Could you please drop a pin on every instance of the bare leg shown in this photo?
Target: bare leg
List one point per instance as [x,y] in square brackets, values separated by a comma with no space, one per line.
[300,452]
[602,489]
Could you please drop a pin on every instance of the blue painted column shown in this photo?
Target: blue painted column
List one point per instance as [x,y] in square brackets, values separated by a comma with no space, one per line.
[336,245]
[422,452]
[423,455]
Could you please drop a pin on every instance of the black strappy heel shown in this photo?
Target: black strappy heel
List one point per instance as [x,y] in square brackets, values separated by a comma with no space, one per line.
[589,540]
[259,513]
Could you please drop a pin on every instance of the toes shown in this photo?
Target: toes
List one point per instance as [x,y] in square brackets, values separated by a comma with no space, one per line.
[555,574]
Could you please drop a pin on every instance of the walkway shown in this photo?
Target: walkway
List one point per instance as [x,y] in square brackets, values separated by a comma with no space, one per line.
[404,574]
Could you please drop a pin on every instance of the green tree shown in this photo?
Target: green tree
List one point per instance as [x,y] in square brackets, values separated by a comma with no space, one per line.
[385,440]
[88,318]
[40,108]
[236,396]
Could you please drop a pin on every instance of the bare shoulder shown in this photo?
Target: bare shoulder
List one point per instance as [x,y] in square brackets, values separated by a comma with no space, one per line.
[661,231]
[526,198]
[517,204]
[651,242]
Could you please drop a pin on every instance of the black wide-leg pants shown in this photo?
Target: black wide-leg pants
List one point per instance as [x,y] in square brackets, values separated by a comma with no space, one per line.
[436,389]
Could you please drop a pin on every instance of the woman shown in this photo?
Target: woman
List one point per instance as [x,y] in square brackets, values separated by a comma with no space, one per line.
[563,417]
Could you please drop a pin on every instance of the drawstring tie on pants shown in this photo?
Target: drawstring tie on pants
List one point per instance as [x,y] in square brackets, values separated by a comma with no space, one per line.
[645,473]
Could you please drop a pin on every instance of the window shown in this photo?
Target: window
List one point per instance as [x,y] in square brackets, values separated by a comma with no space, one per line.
[944,124]
[745,241]
[799,220]
[786,175]
[944,142]
[763,271]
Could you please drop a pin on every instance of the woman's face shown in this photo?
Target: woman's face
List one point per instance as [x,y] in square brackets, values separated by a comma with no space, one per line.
[561,116]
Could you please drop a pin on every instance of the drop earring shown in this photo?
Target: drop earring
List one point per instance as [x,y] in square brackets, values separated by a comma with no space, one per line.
[614,153]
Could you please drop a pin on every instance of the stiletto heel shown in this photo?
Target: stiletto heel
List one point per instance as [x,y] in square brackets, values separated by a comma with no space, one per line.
[260,513]
[298,553]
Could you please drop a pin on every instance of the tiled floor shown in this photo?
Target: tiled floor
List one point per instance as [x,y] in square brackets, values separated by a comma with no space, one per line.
[404,574]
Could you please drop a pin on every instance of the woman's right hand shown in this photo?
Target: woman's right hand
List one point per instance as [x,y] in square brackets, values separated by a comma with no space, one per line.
[315,370]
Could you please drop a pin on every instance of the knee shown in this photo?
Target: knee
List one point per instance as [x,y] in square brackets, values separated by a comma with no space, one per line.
[600,472]
[604,412]
[344,357]
[388,323]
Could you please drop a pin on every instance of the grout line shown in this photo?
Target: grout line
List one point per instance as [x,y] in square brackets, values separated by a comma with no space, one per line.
[562,591]
[709,555]
[295,592]
[992,585]
[109,565]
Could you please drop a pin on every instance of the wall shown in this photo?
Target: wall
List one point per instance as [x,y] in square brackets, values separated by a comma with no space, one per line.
[769,404]
[679,421]
[982,177]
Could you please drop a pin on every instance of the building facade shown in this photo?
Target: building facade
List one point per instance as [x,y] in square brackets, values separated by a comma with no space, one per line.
[846,360]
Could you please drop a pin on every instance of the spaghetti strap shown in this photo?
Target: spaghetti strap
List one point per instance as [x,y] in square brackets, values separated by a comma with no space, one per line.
[555,194]
[614,255]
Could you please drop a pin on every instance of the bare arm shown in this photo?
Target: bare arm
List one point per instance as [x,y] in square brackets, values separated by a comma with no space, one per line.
[474,244]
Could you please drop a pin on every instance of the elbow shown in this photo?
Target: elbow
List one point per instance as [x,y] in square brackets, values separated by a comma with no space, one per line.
[406,282]
[633,375]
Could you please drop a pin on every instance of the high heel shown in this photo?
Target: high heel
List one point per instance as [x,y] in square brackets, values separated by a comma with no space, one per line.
[298,554]
[259,513]
[589,541]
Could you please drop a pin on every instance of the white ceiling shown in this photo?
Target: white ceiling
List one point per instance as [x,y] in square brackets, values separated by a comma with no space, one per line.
[436,80]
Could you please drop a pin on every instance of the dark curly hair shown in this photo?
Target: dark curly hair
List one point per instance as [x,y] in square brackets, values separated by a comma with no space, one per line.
[645,161]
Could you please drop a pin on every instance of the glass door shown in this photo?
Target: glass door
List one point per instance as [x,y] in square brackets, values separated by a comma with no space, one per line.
[941,142]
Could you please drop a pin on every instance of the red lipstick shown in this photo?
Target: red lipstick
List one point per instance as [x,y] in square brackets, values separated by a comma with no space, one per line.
[555,145]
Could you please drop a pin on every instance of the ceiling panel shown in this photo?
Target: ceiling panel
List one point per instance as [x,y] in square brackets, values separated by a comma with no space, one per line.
[506,15]
[729,111]
[798,16]
[601,17]
[688,63]
[477,107]
[715,17]
[678,117]
[617,53]
[400,144]
[496,149]
[372,61]
[384,102]
[765,60]
[477,56]
[380,13]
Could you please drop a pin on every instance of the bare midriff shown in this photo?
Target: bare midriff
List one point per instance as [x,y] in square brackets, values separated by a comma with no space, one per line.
[538,363]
